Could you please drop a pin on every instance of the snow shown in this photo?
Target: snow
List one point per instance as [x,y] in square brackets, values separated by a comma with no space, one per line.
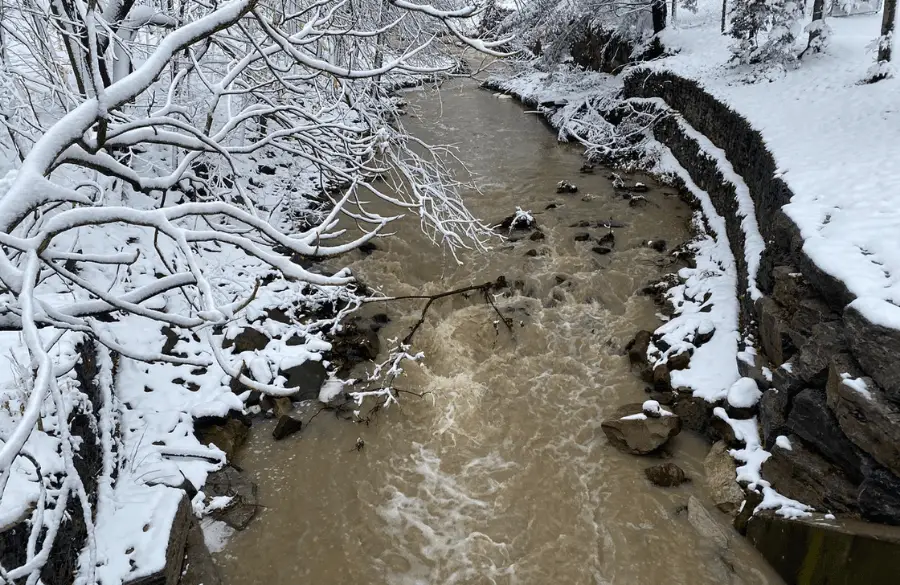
[744,393]
[753,456]
[783,442]
[713,367]
[857,385]
[330,390]
[834,140]
[215,534]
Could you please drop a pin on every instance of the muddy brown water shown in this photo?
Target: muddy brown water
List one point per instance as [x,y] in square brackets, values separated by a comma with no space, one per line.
[501,474]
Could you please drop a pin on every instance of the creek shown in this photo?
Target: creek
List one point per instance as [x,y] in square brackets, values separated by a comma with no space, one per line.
[500,474]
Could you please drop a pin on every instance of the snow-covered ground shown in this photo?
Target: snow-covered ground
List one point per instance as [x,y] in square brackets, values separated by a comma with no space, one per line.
[834,139]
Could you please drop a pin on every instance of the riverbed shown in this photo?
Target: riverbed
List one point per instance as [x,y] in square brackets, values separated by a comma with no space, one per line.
[500,474]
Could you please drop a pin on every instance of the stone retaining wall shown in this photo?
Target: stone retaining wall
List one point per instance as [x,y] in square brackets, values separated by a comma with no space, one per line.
[844,432]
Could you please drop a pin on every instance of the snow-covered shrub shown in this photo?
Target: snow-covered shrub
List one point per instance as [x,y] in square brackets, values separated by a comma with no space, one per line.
[765,30]
[549,28]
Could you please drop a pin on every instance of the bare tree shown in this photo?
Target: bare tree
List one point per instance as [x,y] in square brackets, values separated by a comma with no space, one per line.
[150,120]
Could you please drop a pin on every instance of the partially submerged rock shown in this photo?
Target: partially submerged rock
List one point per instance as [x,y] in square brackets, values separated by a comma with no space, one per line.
[665,475]
[244,504]
[721,479]
[227,433]
[566,187]
[285,427]
[707,526]
[306,379]
[634,431]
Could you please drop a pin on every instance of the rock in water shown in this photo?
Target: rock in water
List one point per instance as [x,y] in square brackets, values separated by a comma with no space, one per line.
[286,426]
[632,431]
[706,525]
[244,502]
[665,475]
[566,187]
[721,479]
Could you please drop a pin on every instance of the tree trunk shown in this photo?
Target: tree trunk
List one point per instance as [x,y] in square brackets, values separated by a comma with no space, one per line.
[724,13]
[818,14]
[658,12]
[887,30]
[674,11]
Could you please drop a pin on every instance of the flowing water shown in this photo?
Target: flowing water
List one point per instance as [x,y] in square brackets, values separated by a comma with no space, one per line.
[501,474]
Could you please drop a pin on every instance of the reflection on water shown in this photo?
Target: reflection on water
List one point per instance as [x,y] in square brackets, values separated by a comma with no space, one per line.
[501,474]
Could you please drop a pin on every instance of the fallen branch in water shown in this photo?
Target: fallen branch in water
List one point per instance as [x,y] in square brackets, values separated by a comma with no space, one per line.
[484,288]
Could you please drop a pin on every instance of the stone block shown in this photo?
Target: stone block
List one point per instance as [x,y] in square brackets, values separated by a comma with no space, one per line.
[776,339]
[171,572]
[877,349]
[868,419]
[813,551]
[811,420]
[804,475]
[790,287]
[773,407]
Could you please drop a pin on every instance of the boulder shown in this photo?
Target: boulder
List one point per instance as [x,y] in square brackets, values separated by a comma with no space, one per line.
[244,502]
[811,363]
[247,340]
[679,361]
[307,378]
[811,420]
[721,479]
[662,379]
[637,348]
[720,430]
[790,287]
[773,408]
[282,406]
[665,475]
[865,415]
[228,434]
[285,427]
[632,431]
[354,345]
[566,187]
[742,399]
[818,550]
[876,349]
[704,523]
[695,412]
[804,475]
[775,338]
[755,372]
[879,497]
[810,312]
[199,567]
[752,499]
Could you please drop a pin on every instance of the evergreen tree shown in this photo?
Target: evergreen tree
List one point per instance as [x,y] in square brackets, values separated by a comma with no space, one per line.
[766,30]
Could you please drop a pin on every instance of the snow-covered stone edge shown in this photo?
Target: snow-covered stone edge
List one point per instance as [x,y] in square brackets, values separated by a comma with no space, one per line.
[716,274]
